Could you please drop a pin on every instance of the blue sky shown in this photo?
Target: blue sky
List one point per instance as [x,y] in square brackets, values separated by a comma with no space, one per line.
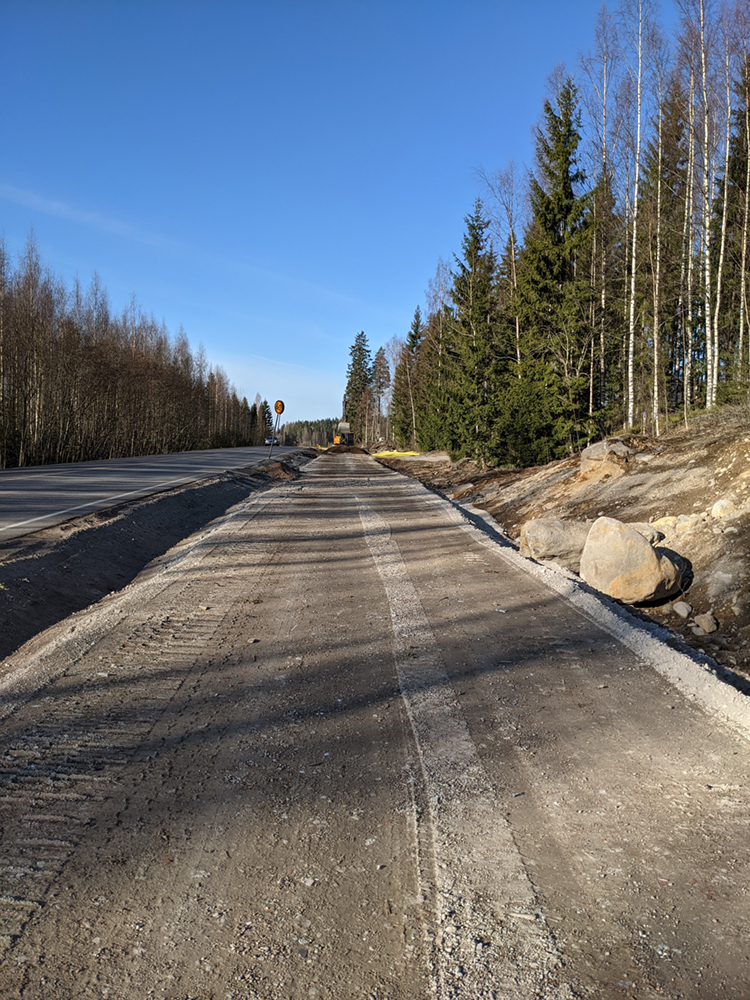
[272,176]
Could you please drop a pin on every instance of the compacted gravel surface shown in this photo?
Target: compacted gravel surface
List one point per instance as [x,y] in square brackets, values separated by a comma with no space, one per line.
[343,743]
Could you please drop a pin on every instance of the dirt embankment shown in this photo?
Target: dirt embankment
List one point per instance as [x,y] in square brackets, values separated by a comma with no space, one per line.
[50,574]
[679,476]
[346,449]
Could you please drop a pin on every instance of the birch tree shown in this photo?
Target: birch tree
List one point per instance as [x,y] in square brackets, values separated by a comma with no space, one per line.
[636,24]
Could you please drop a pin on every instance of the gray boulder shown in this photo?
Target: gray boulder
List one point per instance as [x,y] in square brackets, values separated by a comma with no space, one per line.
[555,540]
[611,453]
[620,562]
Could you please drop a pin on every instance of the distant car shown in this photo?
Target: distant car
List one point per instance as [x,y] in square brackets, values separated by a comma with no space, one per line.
[272,440]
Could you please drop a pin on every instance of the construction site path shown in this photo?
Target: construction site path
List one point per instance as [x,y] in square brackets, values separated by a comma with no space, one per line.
[345,743]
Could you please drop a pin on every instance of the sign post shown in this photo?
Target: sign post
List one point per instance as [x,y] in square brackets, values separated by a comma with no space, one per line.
[278,409]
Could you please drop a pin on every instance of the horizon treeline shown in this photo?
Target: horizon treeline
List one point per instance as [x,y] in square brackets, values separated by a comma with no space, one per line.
[78,383]
[606,288]
[310,433]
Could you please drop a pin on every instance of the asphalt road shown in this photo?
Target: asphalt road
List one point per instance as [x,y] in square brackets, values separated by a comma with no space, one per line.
[43,495]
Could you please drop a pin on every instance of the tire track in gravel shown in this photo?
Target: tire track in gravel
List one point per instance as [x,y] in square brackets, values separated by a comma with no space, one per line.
[63,755]
[237,821]
[479,879]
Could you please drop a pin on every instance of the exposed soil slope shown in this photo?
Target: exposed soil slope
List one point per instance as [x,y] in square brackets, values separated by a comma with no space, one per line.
[681,475]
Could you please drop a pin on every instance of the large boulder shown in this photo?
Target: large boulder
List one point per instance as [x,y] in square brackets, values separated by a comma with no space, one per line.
[555,540]
[619,561]
[611,453]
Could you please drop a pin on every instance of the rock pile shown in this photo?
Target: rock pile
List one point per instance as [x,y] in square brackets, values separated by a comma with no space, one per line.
[621,560]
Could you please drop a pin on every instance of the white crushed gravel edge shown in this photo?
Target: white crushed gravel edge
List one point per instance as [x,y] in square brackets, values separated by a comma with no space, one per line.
[695,677]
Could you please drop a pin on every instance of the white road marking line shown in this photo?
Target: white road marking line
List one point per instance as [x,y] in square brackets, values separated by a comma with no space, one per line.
[93,503]
[479,873]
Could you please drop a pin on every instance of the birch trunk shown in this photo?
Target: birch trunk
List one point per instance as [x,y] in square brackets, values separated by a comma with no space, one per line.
[634,233]
[724,211]
[745,218]
[706,192]
[688,242]
[657,271]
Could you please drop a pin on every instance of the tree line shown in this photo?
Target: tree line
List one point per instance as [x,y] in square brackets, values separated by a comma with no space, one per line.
[79,383]
[607,287]
[309,433]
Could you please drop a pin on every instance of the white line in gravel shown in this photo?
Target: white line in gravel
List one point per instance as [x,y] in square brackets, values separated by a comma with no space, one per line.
[479,870]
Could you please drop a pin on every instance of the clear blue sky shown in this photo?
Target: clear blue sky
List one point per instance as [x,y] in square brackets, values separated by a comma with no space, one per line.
[271,175]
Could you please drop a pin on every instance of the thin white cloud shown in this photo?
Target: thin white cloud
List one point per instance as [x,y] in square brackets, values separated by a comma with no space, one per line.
[61,210]
[287,364]
[105,224]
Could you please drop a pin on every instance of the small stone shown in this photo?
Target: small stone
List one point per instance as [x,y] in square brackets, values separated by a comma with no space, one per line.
[686,522]
[723,507]
[682,608]
[649,532]
[706,622]
[697,630]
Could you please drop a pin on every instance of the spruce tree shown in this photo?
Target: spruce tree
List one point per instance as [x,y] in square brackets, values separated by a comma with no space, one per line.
[475,372]
[359,378]
[430,377]
[662,209]
[554,294]
[381,379]
[735,188]
[405,401]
